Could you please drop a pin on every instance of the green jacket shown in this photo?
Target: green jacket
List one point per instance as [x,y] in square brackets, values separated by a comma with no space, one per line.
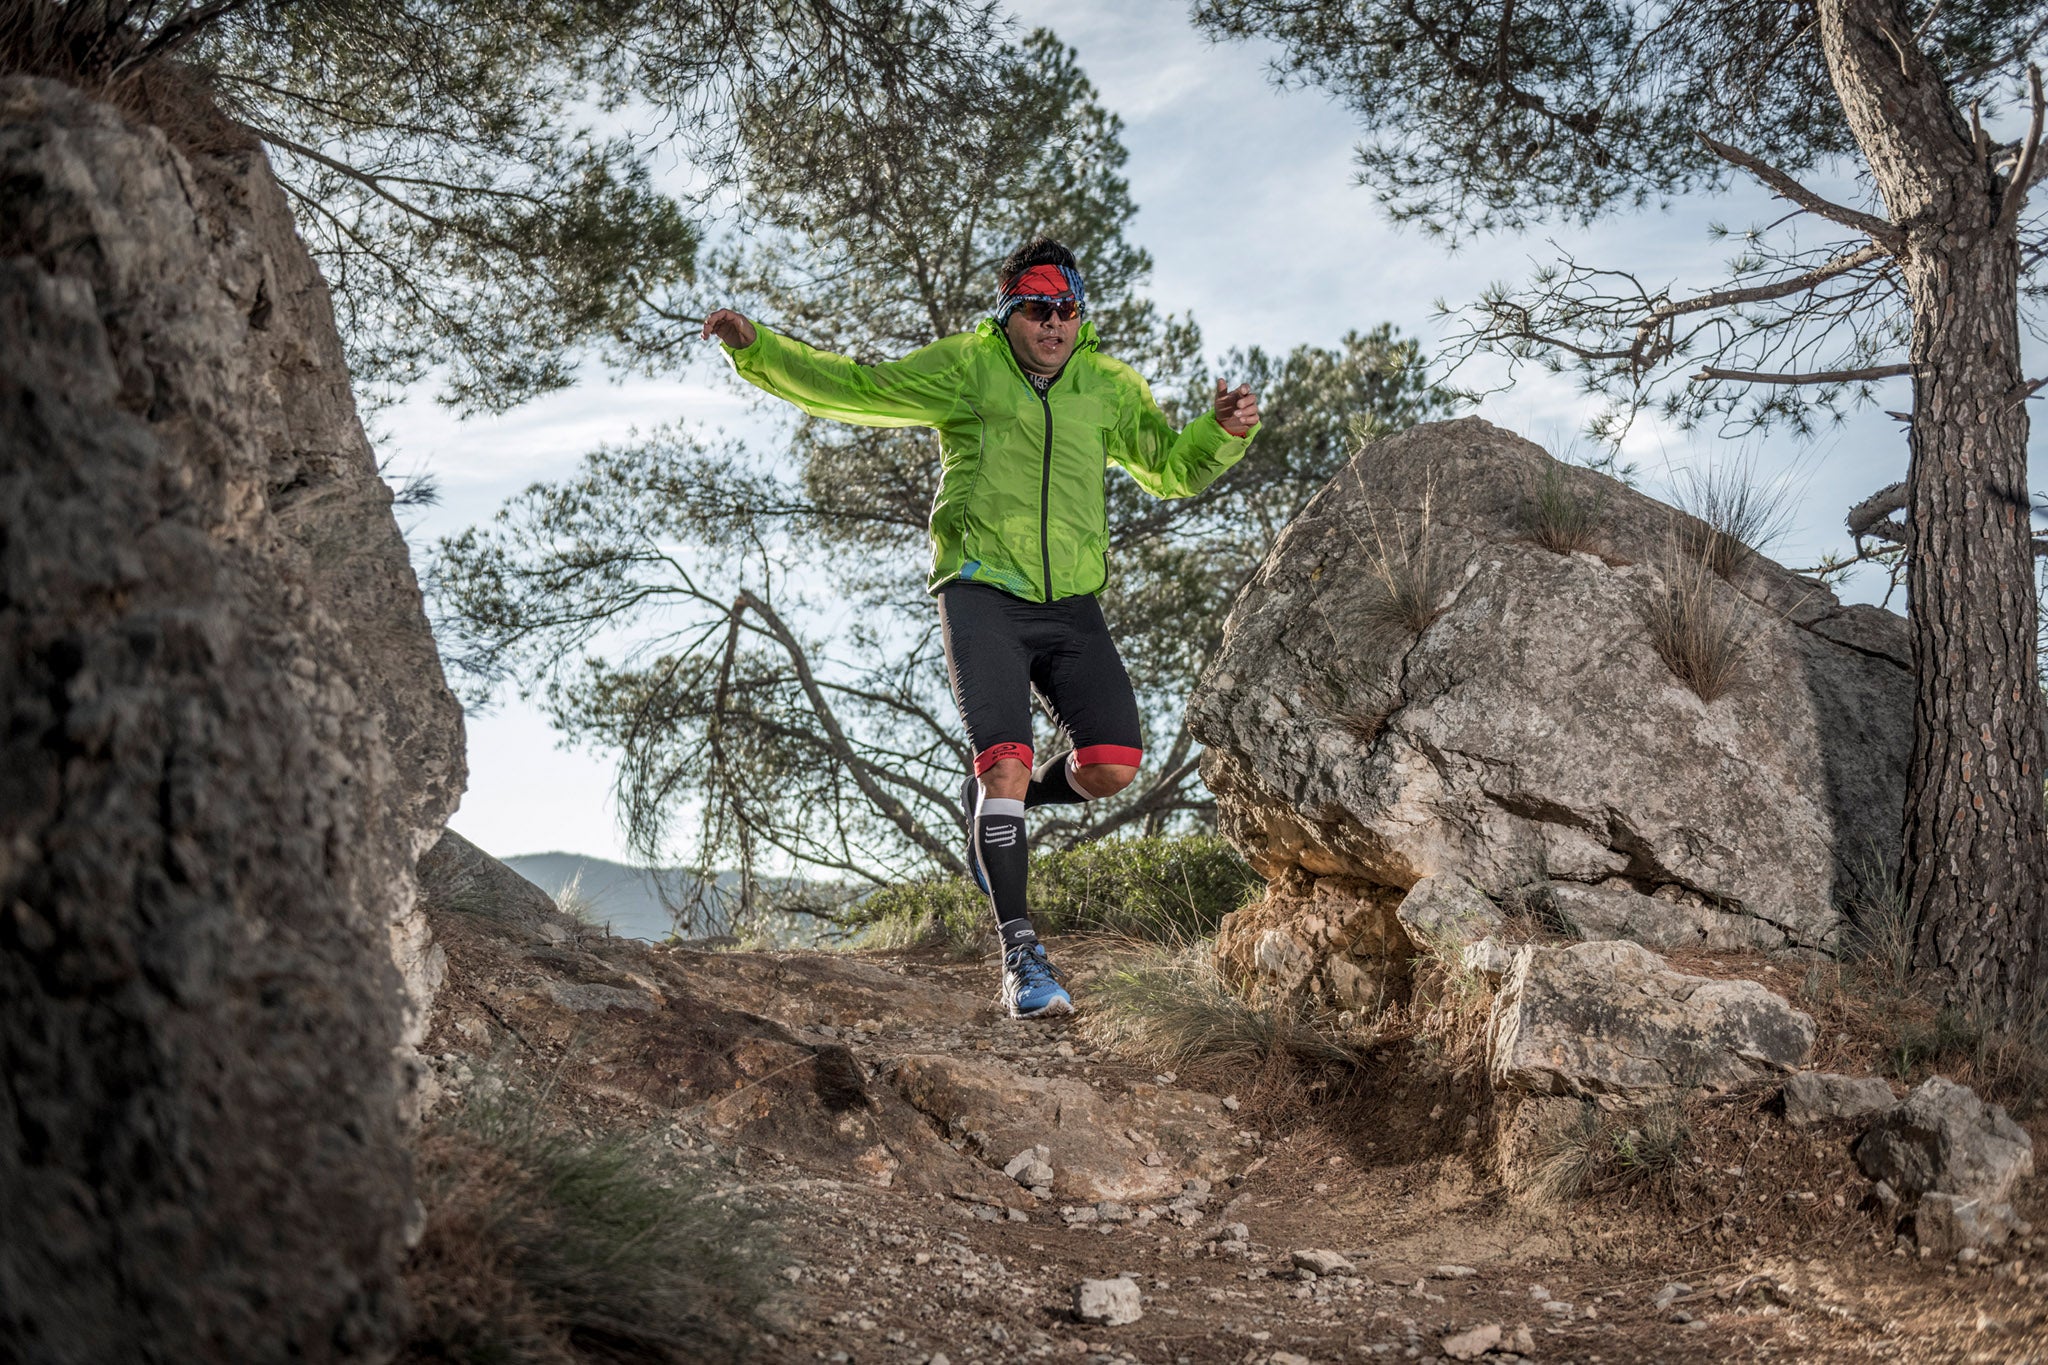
[1021,499]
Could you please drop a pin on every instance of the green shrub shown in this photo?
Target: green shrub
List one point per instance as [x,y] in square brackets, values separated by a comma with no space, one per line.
[544,1248]
[1162,888]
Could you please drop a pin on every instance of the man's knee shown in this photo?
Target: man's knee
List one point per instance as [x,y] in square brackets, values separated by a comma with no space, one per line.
[1104,779]
[1006,779]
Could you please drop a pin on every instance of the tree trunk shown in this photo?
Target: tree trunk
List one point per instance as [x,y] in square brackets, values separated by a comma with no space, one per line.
[1975,873]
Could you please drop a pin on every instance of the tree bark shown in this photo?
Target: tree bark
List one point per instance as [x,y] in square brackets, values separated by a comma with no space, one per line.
[1975,870]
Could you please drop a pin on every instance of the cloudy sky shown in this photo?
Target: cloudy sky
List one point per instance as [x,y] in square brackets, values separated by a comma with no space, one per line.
[1248,204]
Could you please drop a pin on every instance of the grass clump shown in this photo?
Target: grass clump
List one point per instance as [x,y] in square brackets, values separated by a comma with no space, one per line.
[1561,519]
[1733,513]
[1450,1003]
[1700,628]
[1159,889]
[1175,1010]
[1586,1152]
[545,1248]
[1409,571]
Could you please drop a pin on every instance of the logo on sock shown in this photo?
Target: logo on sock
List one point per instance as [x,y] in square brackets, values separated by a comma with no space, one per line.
[1000,836]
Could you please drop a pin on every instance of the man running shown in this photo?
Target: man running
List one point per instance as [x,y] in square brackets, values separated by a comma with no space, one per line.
[1029,414]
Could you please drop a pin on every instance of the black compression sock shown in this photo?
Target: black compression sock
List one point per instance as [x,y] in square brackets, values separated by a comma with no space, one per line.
[1005,860]
[1052,785]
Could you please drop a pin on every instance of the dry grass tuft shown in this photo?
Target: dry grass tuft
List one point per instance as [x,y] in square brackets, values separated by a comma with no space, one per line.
[1700,628]
[1733,513]
[1585,1151]
[1449,1006]
[1561,519]
[1172,1009]
[1410,572]
[543,1248]
[573,901]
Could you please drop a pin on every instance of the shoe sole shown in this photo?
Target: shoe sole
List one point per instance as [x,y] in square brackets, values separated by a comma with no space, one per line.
[1043,1011]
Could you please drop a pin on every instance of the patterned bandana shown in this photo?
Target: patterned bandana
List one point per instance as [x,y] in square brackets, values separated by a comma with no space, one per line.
[1050,282]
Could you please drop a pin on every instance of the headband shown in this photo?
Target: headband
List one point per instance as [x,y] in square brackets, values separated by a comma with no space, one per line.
[1039,282]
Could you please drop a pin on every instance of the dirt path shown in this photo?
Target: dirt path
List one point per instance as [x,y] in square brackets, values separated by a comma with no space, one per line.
[905,1242]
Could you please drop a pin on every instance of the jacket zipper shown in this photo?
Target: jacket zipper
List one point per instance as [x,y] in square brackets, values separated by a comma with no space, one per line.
[1045,495]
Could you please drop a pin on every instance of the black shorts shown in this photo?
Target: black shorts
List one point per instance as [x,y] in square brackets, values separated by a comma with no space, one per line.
[999,647]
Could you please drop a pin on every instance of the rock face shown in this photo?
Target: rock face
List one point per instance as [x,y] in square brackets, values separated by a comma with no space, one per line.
[1822,1097]
[1531,736]
[1943,1139]
[226,741]
[1611,1018]
[457,877]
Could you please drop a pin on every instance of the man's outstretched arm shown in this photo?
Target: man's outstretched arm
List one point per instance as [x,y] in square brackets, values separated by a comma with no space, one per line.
[918,390]
[1171,464]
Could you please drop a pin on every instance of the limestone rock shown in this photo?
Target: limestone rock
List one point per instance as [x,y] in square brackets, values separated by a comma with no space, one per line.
[1944,1224]
[223,744]
[1446,911]
[1322,1262]
[1665,925]
[1531,733]
[1612,1018]
[1823,1097]
[1474,1343]
[1941,1138]
[587,998]
[457,877]
[1112,1303]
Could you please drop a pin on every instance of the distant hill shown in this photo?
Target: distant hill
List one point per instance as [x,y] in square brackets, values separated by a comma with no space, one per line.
[626,897]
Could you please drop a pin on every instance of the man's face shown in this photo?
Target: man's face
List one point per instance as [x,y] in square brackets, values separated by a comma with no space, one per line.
[1041,347]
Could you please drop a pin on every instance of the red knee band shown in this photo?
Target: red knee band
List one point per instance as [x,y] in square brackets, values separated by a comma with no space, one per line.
[1108,753]
[996,753]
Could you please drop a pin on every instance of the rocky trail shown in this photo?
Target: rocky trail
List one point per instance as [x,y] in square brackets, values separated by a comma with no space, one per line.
[949,1185]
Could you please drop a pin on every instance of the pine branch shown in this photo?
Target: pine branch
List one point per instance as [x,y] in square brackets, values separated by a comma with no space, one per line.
[1879,230]
[2023,173]
[1817,377]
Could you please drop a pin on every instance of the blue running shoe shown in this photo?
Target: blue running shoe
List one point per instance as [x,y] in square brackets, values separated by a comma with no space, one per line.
[1031,985]
[970,802]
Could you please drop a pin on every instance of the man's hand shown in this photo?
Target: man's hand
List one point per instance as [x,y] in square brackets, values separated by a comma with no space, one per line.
[1237,409]
[730,328]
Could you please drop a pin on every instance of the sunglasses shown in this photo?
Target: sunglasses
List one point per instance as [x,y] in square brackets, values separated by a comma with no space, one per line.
[1040,310]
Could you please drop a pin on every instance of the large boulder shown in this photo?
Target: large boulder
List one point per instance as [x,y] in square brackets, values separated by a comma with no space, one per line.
[224,743]
[1531,735]
[1612,1018]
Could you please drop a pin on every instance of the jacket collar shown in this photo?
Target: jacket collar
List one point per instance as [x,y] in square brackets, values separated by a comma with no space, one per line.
[1084,340]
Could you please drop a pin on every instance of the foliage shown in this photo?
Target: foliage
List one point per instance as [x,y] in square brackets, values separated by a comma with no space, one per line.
[447,161]
[544,1248]
[671,602]
[1170,889]
[1480,118]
